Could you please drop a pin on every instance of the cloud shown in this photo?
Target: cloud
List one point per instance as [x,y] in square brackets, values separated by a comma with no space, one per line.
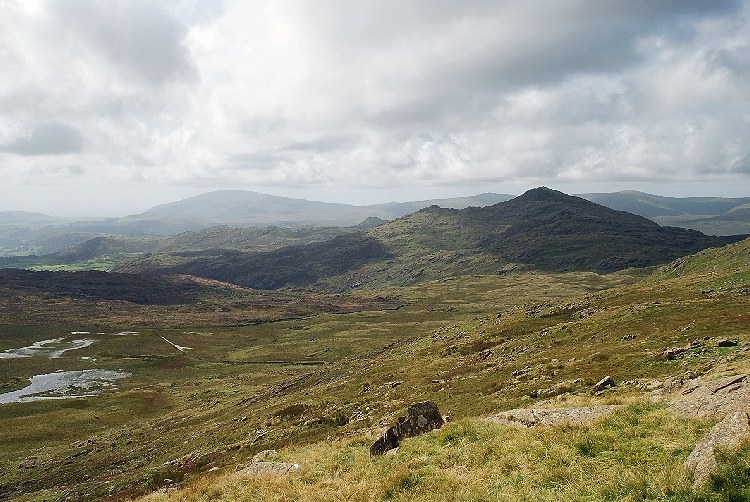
[133,35]
[48,139]
[419,93]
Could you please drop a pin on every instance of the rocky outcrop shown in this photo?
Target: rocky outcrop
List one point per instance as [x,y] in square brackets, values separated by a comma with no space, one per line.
[603,384]
[729,432]
[532,417]
[698,398]
[420,418]
[260,465]
[269,469]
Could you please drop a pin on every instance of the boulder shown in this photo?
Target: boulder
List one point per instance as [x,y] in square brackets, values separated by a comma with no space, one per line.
[604,383]
[727,343]
[729,432]
[532,417]
[269,469]
[699,398]
[420,418]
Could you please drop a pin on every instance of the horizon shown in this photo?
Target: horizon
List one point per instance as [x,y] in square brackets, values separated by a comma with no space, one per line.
[73,216]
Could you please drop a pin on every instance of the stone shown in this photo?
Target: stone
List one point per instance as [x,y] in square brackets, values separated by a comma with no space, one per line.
[729,432]
[420,418]
[269,469]
[264,455]
[727,343]
[699,398]
[604,383]
[532,417]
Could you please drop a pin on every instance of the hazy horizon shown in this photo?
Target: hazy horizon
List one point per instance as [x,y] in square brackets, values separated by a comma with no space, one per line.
[333,199]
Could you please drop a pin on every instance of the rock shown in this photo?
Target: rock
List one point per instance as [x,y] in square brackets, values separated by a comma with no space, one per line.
[484,354]
[604,383]
[269,469]
[532,417]
[394,384]
[727,343]
[521,372]
[264,455]
[420,418]
[728,432]
[698,398]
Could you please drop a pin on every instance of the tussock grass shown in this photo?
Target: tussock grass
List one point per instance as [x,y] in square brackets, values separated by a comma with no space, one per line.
[636,454]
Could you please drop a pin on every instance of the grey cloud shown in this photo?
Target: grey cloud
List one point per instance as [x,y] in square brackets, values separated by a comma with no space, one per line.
[735,59]
[48,139]
[423,92]
[138,35]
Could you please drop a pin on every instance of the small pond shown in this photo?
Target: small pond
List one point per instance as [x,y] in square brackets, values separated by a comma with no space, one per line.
[64,385]
[52,348]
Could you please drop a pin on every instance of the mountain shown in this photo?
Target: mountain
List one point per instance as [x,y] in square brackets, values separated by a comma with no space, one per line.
[26,219]
[710,215]
[652,206]
[290,266]
[542,228]
[245,208]
[555,231]
[738,214]
[31,233]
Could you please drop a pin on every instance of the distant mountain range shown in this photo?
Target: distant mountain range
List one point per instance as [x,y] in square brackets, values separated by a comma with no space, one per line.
[542,228]
[710,215]
[32,233]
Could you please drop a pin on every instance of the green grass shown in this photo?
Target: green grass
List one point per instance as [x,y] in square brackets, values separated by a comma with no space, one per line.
[636,454]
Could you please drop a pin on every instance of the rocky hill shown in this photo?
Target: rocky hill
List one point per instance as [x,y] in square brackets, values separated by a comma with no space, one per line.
[542,228]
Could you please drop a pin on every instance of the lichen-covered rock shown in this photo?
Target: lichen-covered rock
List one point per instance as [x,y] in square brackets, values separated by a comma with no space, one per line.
[699,398]
[604,383]
[532,417]
[728,432]
[420,418]
[269,469]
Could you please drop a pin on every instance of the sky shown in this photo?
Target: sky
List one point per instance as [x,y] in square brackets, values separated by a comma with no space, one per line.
[108,107]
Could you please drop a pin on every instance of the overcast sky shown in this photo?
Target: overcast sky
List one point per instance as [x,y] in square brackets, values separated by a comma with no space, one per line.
[108,107]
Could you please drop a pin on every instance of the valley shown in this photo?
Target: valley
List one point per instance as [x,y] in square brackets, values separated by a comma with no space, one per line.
[312,342]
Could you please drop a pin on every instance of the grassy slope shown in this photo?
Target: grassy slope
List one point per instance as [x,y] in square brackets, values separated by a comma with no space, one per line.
[291,385]
[565,347]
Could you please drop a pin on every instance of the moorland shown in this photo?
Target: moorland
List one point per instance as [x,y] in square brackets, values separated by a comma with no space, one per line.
[310,340]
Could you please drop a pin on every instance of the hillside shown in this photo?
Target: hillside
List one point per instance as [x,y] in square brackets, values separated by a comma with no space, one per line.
[28,233]
[246,208]
[320,390]
[652,206]
[291,266]
[92,285]
[26,219]
[709,215]
[542,228]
